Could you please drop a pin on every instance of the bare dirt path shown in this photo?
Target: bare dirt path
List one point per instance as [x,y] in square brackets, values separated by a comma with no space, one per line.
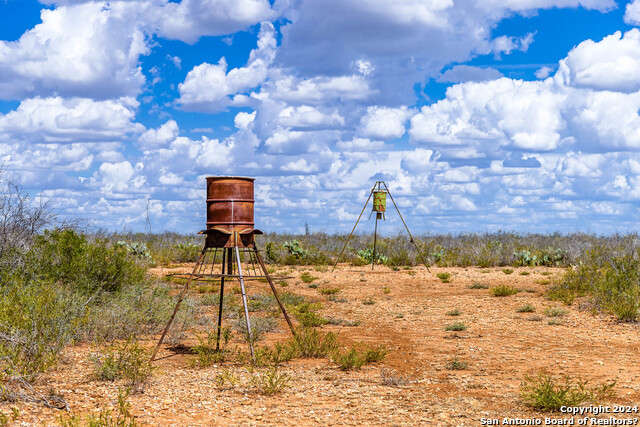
[500,346]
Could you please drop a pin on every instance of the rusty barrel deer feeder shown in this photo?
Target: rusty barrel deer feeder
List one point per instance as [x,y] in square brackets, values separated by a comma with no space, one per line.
[229,244]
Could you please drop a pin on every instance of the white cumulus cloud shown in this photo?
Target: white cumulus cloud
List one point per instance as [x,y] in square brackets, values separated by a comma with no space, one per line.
[209,87]
[610,64]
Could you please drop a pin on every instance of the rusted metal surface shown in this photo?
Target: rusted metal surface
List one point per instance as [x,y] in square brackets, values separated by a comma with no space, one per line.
[230,212]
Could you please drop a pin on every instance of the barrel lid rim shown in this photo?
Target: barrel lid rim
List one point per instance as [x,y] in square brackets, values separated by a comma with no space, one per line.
[230,177]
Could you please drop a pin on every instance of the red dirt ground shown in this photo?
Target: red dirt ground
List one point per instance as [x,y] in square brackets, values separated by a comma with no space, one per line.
[501,346]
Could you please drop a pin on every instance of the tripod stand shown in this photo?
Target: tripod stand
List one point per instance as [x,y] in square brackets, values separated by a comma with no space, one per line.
[379,206]
[231,267]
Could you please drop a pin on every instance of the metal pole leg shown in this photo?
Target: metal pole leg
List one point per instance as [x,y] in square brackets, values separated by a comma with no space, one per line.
[244,302]
[175,310]
[275,292]
[375,237]
[224,259]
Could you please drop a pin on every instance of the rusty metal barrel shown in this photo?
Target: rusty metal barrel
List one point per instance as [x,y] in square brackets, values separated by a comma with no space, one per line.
[229,211]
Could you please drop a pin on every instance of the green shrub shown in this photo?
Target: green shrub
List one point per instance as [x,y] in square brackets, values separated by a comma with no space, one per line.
[305,313]
[307,278]
[38,320]
[127,361]
[454,312]
[206,350]
[507,270]
[138,309]
[270,382]
[613,284]
[329,291]
[527,308]
[444,277]
[374,354]
[548,394]
[186,252]
[63,255]
[503,291]
[456,326]
[312,343]
[478,286]
[281,353]
[554,312]
[457,365]
[348,360]
[354,359]
[310,319]
[105,418]
[618,290]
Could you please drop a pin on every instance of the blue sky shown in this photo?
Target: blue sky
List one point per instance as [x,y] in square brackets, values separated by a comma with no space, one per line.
[481,115]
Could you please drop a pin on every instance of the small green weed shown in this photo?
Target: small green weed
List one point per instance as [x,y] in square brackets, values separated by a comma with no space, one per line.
[527,308]
[524,273]
[478,286]
[372,355]
[205,350]
[457,365]
[546,393]
[312,343]
[354,359]
[128,361]
[456,326]
[386,290]
[310,319]
[503,291]
[270,382]
[368,301]
[225,378]
[555,311]
[105,418]
[392,378]
[348,360]
[455,312]
[507,270]
[329,291]
[444,277]
[307,278]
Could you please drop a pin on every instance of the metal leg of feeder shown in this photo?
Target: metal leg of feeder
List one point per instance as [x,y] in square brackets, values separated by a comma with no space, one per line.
[275,292]
[375,237]
[354,227]
[405,226]
[220,301]
[175,310]
[244,302]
